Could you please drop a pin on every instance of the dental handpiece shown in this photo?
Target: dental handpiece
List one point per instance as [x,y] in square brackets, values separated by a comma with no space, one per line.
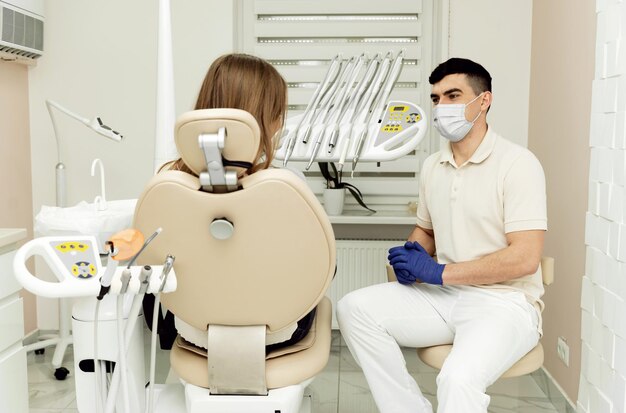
[330,76]
[167,267]
[107,277]
[125,279]
[354,103]
[329,101]
[366,115]
[391,80]
[311,108]
[144,278]
[343,101]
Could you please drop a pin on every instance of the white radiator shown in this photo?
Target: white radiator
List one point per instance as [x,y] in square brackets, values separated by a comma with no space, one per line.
[359,263]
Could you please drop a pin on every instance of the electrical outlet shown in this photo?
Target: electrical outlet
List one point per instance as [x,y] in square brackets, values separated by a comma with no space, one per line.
[562,349]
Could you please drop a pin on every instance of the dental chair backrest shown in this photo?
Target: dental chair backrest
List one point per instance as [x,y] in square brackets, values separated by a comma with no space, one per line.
[278,261]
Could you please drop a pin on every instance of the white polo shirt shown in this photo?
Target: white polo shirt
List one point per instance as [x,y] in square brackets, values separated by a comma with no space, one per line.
[471,207]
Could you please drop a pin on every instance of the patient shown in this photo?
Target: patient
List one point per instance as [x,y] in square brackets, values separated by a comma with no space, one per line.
[241,81]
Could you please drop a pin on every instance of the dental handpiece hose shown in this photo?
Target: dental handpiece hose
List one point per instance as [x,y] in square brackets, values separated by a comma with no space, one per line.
[144,278]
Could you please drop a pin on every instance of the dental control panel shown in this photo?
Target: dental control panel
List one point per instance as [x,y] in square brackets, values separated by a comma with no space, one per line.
[77,258]
[397,118]
[75,262]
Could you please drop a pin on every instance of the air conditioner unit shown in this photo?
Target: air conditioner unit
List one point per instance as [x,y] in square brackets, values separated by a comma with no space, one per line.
[21,30]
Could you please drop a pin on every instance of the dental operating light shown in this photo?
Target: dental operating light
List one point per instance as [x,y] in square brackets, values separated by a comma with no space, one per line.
[94,124]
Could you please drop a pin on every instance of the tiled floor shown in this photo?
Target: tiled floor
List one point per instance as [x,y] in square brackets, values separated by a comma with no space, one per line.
[340,388]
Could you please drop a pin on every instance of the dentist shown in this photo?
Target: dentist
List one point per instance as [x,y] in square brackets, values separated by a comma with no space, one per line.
[482,211]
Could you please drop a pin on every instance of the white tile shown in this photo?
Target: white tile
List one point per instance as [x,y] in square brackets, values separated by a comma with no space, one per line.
[583,395]
[616,215]
[618,393]
[620,85]
[613,88]
[593,202]
[589,227]
[598,306]
[587,294]
[598,85]
[594,370]
[612,21]
[604,196]
[612,59]
[620,322]
[618,169]
[620,356]
[585,326]
[621,253]
[620,120]
[600,402]
[620,282]
[598,266]
[596,232]
[585,348]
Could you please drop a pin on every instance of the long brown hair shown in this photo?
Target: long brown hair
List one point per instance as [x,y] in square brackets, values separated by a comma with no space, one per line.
[241,81]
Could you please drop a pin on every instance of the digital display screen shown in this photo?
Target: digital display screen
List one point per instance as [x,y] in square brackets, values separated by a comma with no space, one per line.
[398,109]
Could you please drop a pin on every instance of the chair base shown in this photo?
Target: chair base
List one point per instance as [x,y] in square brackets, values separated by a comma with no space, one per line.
[179,398]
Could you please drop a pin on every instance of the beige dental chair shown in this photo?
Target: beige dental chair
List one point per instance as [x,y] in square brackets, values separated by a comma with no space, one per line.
[435,356]
[253,256]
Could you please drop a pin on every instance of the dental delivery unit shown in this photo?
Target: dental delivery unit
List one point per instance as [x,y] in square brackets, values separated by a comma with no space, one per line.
[349,117]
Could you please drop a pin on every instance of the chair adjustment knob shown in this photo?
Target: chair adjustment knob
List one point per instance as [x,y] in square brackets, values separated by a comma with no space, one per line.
[221,228]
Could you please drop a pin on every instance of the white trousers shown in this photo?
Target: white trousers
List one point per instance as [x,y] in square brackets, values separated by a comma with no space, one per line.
[491,330]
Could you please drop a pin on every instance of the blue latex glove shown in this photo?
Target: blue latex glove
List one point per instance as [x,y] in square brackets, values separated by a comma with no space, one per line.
[411,263]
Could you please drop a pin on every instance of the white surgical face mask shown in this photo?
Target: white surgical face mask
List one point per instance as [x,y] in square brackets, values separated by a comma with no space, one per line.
[449,120]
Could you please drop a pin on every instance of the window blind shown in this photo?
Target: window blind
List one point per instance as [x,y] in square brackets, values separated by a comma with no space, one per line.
[300,37]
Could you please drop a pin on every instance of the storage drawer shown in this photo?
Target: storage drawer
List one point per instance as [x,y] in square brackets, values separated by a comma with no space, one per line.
[11,324]
[13,380]
[8,283]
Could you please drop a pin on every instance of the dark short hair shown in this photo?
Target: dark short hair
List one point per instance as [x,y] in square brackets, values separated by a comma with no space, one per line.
[477,76]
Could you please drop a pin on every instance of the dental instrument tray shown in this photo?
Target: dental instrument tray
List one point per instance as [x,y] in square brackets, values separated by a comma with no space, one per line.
[397,134]
[350,116]
[75,262]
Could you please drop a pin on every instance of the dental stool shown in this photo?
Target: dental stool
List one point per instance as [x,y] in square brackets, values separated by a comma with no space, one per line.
[435,356]
[253,256]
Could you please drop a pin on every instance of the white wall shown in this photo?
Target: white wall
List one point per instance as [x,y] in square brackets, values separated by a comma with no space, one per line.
[603,365]
[100,59]
[497,34]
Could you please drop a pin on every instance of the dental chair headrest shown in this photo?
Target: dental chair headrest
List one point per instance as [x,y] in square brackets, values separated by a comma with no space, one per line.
[243,135]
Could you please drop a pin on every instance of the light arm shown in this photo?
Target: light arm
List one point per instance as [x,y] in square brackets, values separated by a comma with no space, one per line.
[95,124]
